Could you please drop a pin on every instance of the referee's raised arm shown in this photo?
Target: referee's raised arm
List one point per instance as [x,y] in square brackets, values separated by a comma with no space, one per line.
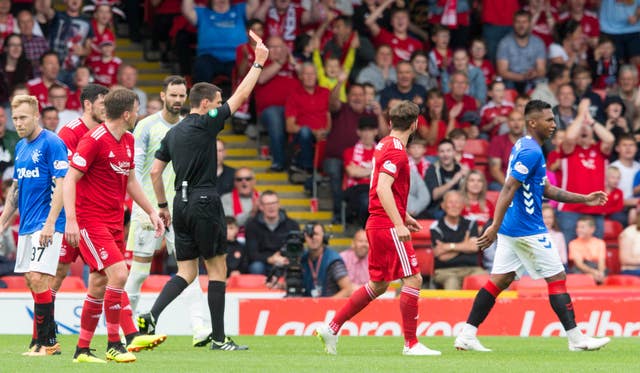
[246,86]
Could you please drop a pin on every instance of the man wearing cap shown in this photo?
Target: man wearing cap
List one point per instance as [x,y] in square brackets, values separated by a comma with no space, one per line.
[105,66]
[358,164]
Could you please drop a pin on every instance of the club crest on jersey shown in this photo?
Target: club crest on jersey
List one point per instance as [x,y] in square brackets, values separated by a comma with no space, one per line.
[35,156]
[389,166]
[521,168]
[104,254]
[79,160]
[128,152]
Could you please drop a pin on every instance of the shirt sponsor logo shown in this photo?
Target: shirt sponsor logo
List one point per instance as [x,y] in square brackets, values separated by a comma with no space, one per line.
[121,168]
[390,167]
[23,173]
[521,168]
[60,165]
[79,160]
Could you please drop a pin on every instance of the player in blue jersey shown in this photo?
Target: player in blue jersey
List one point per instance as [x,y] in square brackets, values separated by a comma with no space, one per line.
[39,169]
[523,243]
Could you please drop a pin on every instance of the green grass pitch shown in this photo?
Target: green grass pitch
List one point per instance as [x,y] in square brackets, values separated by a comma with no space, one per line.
[356,354]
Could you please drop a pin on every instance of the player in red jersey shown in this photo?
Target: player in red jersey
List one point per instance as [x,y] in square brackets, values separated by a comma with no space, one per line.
[391,254]
[102,173]
[92,98]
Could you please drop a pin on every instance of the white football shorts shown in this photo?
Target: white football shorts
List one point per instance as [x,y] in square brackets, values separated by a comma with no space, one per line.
[142,240]
[31,257]
[535,255]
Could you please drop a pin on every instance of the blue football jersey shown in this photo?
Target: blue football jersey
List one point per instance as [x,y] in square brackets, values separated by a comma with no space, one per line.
[527,165]
[37,163]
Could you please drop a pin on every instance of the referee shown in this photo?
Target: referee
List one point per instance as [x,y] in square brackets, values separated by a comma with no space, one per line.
[199,224]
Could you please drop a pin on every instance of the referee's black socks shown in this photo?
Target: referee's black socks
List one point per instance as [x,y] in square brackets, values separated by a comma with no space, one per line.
[216,308]
[170,291]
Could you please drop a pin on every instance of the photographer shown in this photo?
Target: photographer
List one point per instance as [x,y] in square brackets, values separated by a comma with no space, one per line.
[324,273]
[266,234]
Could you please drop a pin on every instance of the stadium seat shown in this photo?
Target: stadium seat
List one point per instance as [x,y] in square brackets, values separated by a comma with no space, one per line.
[475,282]
[612,230]
[479,148]
[510,95]
[247,281]
[155,282]
[492,196]
[527,282]
[15,282]
[73,284]
[622,280]
[425,261]
[580,280]
[422,239]
[613,261]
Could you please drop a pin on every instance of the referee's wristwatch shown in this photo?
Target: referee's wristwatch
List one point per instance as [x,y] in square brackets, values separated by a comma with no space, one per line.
[258,66]
[163,205]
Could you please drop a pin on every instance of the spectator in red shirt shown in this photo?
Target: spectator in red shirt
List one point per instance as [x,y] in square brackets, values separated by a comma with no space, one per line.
[588,20]
[345,135]
[401,43]
[307,115]
[417,159]
[358,166]
[441,55]
[494,114]
[39,87]
[105,66]
[500,149]
[583,168]
[439,121]
[81,78]
[468,116]
[284,19]
[274,86]
[245,56]
[455,15]
[459,138]
[478,53]
[460,63]
[605,64]
[614,208]
[476,205]
[101,25]
[543,19]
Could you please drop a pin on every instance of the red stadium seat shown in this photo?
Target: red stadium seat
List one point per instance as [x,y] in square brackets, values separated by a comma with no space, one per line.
[613,261]
[155,282]
[475,282]
[422,239]
[612,230]
[425,261]
[15,282]
[527,282]
[510,95]
[622,280]
[73,284]
[580,280]
[492,196]
[479,148]
[248,281]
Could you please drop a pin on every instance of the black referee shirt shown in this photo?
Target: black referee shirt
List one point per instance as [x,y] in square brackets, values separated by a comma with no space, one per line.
[191,147]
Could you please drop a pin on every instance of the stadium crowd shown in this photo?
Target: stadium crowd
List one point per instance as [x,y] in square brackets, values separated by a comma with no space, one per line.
[335,69]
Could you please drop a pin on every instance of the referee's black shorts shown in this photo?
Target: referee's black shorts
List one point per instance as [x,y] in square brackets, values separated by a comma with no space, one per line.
[199,224]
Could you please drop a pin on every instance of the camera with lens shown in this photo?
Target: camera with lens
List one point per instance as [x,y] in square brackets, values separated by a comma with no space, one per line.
[292,250]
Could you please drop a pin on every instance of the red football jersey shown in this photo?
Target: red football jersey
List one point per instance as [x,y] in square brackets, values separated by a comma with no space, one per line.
[106,163]
[288,25]
[391,158]
[402,48]
[104,73]
[37,88]
[583,171]
[589,23]
[71,134]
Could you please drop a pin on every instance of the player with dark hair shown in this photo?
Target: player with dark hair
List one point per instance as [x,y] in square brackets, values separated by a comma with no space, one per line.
[389,227]
[198,216]
[102,173]
[524,243]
